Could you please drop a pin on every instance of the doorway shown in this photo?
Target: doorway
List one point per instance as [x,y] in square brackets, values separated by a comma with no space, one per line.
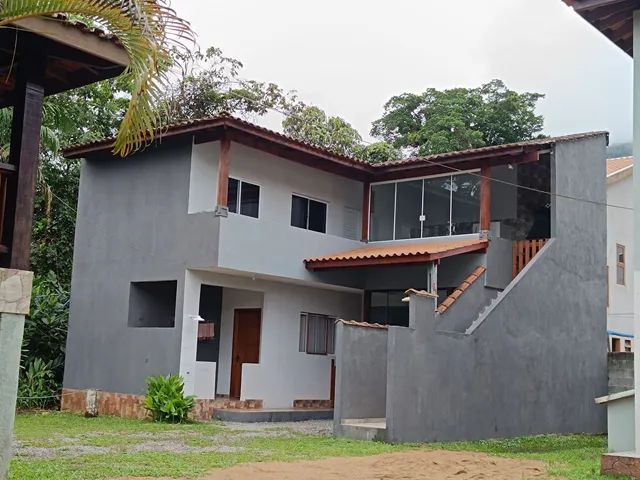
[246,344]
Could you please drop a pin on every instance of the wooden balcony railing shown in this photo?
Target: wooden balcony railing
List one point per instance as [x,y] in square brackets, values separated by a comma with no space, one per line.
[524,251]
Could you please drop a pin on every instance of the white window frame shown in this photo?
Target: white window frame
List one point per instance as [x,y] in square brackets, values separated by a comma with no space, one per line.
[307,197]
[240,181]
[395,203]
[331,322]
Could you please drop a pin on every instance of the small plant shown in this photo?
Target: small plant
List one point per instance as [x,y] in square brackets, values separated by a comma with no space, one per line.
[37,386]
[166,400]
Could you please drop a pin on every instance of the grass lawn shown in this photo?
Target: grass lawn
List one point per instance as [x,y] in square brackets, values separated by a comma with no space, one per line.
[59,446]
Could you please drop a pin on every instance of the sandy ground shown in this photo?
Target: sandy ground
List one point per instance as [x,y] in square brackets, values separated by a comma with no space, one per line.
[417,465]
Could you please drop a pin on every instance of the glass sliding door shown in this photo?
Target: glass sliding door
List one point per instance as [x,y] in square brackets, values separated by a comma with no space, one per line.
[383,204]
[465,204]
[408,209]
[436,207]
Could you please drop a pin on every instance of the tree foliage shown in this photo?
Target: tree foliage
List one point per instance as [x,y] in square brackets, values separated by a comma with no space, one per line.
[458,119]
[211,84]
[149,31]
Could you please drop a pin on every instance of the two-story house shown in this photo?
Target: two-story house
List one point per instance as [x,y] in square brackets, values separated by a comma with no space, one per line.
[226,252]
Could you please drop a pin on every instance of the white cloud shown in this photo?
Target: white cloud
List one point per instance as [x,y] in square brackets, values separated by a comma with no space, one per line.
[350,56]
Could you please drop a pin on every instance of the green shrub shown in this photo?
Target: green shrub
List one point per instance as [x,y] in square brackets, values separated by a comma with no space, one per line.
[37,386]
[166,399]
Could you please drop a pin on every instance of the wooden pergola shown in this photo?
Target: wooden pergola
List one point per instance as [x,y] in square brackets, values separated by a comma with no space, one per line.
[614,18]
[40,56]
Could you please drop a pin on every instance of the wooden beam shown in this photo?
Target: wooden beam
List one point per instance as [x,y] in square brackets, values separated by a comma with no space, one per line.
[366,201]
[74,37]
[223,173]
[24,155]
[485,199]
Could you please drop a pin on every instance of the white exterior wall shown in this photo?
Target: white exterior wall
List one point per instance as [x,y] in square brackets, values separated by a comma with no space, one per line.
[284,374]
[620,231]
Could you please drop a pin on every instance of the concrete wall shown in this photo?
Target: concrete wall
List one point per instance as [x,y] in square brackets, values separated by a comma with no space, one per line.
[538,360]
[465,310]
[620,425]
[284,374]
[499,263]
[620,231]
[620,366]
[132,225]
[361,368]
[269,245]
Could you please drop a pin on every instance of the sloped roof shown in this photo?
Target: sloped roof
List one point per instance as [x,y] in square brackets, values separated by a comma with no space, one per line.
[396,254]
[614,18]
[244,132]
[618,165]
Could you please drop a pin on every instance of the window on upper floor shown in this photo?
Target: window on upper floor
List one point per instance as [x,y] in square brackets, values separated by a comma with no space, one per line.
[308,214]
[620,264]
[317,334]
[430,207]
[243,198]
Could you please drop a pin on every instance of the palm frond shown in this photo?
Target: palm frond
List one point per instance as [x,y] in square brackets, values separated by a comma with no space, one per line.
[149,30]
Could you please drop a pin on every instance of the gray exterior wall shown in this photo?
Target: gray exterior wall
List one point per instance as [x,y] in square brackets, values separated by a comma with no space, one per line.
[465,310]
[151,217]
[131,226]
[361,380]
[538,360]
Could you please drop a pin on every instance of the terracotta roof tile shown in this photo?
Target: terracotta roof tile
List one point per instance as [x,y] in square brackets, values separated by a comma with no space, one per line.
[396,253]
[538,142]
[457,293]
[354,323]
[617,165]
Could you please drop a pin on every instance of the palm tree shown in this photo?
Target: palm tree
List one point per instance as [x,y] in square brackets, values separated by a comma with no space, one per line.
[149,30]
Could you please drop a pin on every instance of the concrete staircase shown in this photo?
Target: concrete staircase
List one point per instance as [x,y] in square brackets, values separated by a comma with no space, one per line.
[364,428]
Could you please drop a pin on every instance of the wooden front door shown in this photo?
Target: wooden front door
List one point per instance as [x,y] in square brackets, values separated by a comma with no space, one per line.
[246,345]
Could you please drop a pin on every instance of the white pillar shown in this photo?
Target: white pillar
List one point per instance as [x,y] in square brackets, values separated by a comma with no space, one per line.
[189,340]
[636,204]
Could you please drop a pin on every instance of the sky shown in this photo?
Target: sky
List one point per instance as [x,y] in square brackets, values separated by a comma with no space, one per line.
[350,56]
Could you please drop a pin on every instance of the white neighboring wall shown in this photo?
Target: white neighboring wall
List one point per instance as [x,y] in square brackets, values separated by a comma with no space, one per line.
[620,232]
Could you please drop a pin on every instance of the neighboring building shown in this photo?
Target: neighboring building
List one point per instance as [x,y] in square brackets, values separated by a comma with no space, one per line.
[620,253]
[270,240]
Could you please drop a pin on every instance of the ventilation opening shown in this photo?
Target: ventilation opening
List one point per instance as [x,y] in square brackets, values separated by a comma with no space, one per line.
[153,304]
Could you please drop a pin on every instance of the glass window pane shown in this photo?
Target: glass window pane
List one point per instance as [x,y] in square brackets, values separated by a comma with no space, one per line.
[408,209]
[382,207]
[232,195]
[302,340]
[465,206]
[317,326]
[299,211]
[437,193]
[378,308]
[249,199]
[317,216]
[398,310]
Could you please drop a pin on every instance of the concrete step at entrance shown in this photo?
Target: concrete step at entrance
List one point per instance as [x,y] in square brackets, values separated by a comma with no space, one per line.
[273,415]
[364,429]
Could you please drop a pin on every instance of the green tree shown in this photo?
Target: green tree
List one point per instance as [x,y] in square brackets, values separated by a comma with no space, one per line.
[458,119]
[311,124]
[149,31]
[379,152]
[211,84]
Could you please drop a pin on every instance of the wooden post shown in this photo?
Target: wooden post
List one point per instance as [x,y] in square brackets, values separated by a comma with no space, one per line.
[25,150]
[223,174]
[366,192]
[485,200]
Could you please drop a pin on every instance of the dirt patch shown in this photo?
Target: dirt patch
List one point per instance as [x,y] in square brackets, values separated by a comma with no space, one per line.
[417,465]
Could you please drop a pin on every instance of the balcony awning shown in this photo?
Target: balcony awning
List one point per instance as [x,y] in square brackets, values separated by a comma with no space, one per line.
[396,254]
